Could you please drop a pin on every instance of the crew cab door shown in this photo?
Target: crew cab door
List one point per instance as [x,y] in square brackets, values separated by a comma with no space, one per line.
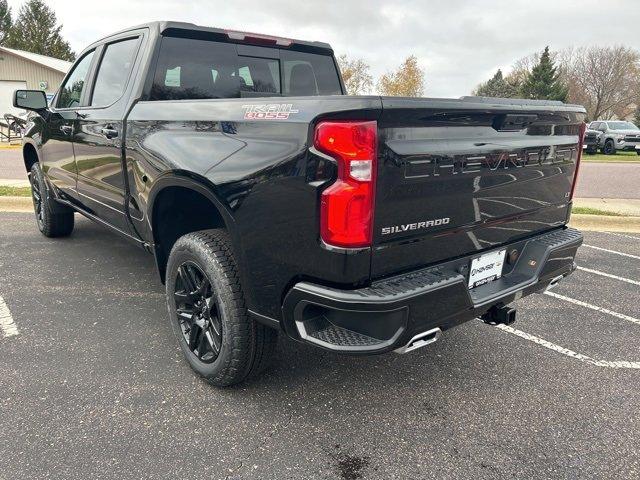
[57,159]
[99,136]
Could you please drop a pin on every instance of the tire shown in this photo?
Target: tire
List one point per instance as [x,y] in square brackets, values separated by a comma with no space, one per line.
[609,148]
[638,152]
[53,219]
[591,151]
[211,323]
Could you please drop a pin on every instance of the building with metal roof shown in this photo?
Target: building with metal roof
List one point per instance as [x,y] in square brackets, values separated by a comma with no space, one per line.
[20,69]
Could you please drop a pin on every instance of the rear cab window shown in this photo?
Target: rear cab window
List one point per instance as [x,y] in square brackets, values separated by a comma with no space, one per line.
[190,68]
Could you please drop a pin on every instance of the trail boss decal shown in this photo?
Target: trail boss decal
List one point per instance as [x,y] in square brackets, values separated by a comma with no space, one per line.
[415,226]
[271,111]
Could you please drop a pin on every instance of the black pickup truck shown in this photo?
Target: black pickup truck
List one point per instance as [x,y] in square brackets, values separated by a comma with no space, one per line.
[273,202]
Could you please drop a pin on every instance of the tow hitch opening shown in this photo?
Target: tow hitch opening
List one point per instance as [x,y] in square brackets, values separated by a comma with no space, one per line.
[499,315]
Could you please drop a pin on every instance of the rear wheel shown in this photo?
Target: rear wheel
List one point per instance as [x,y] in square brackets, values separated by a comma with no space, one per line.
[609,148]
[54,220]
[208,314]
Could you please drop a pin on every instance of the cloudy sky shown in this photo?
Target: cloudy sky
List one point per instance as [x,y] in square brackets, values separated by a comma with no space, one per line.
[458,43]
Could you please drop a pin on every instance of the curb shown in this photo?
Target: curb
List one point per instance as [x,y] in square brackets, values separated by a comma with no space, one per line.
[5,182]
[605,223]
[16,204]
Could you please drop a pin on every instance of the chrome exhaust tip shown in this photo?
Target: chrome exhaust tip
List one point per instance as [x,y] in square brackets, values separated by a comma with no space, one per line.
[555,281]
[421,340]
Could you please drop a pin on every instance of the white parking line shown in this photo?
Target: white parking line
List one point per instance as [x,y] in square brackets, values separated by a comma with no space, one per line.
[608,275]
[567,352]
[612,251]
[622,235]
[7,325]
[594,307]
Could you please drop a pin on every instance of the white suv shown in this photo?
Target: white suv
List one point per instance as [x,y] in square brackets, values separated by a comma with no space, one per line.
[617,135]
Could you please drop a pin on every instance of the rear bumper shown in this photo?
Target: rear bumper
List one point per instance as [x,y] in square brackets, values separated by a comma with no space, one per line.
[389,313]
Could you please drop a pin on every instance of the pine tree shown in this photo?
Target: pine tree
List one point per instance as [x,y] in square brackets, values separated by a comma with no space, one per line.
[35,31]
[5,21]
[497,86]
[544,82]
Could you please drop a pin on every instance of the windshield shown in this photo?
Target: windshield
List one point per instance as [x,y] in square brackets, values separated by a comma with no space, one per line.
[622,126]
[192,69]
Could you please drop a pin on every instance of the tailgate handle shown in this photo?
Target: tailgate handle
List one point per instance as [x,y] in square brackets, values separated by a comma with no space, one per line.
[513,122]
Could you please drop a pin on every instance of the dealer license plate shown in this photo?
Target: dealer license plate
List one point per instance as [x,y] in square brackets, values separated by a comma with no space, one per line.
[486,268]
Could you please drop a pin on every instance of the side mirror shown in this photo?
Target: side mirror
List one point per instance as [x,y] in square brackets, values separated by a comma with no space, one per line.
[35,100]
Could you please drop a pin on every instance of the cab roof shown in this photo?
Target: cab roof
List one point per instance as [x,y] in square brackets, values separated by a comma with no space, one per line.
[191,30]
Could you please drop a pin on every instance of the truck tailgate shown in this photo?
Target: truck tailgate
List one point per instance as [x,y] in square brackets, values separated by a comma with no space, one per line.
[460,176]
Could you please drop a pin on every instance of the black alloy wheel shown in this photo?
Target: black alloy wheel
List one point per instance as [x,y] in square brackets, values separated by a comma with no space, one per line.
[53,219]
[197,312]
[217,335]
[36,196]
[609,148]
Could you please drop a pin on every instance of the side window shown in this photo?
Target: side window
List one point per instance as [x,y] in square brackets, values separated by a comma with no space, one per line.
[113,72]
[71,91]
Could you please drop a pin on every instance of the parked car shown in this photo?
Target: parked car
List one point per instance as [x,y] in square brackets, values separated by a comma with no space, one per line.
[275,203]
[617,135]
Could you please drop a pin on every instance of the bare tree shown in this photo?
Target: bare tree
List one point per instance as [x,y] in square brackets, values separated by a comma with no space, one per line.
[407,81]
[606,80]
[356,76]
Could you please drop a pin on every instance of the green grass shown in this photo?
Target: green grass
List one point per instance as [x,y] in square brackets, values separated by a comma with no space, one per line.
[595,211]
[15,191]
[629,157]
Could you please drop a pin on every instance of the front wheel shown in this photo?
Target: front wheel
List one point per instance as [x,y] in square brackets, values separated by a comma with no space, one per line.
[609,148]
[208,314]
[54,220]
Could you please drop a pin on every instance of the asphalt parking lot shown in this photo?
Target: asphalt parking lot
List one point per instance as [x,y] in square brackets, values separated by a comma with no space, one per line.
[92,384]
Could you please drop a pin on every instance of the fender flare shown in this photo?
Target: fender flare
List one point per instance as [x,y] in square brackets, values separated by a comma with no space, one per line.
[206,189]
[29,141]
[198,184]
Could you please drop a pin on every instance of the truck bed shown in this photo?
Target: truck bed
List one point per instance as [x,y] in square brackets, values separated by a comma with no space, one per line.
[455,176]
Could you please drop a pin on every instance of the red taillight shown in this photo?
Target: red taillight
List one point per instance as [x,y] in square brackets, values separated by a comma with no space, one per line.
[346,207]
[583,129]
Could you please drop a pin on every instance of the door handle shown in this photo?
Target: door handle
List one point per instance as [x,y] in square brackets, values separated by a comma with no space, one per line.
[66,129]
[109,132]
